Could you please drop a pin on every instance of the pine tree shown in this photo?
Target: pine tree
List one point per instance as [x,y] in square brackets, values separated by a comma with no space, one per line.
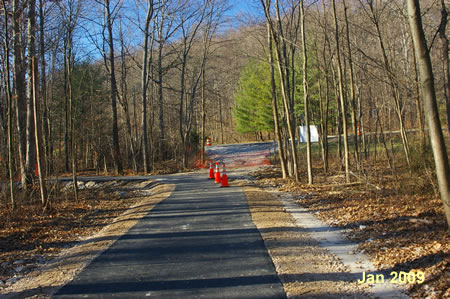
[253,99]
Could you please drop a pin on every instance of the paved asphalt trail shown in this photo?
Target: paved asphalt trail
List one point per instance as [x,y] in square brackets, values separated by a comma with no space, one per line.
[200,242]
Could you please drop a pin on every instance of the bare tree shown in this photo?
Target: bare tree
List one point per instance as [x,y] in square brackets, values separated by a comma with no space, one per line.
[275,106]
[431,109]
[444,40]
[69,14]
[282,59]
[30,153]
[326,57]
[190,22]
[43,85]
[113,84]
[38,140]
[165,29]
[19,87]
[203,101]
[393,82]
[9,99]
[215,12]
[123,96]
[144,83]
[305,94]
[70,11]
[341,95]
[352,84]
[418,101]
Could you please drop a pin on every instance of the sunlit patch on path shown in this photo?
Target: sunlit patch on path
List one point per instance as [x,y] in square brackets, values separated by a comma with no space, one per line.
[241,155]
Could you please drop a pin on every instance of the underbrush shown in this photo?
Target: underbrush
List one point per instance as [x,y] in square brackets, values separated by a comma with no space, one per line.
[30,234]
[395,213]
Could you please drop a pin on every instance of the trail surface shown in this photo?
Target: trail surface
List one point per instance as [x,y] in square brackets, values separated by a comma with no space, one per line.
[242,155]
[199,242]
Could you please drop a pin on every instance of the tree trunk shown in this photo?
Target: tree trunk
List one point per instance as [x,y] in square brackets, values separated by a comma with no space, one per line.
[161,145]
[70,107]
[43,92]
[74,169]
[352,87]
[430,103]
[338,115]
[220,121]
[33,132]
[9,100]
[19,89]
[47,108]
[444,41]
[203,100]
[115,128]
[342,97]
[37,136]
[30,157]
[275,107]
[362,124]
[305,94]
[203,116]
[144,85]
[324,109]
[418,104]
[181,114]
[123,100]
[324,119]
[66,108]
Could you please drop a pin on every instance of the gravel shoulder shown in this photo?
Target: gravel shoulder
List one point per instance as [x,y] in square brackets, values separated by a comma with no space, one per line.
[306,269]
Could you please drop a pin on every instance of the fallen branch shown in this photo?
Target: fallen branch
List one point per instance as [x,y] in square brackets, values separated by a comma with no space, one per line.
[367,183]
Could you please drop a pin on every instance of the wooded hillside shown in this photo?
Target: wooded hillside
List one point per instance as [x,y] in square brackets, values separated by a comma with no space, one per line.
[135,86]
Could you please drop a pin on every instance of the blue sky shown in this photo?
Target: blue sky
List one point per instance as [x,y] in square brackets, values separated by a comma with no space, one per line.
[241,11]
[244,10]
[245,6]
[238,6]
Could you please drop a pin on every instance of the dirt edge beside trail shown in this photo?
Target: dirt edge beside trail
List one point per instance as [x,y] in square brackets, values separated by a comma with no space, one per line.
[48,279]
[306,269]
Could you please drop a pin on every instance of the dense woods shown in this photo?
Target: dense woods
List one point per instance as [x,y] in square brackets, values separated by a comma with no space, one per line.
[358,71]
[112,85]
[135,86]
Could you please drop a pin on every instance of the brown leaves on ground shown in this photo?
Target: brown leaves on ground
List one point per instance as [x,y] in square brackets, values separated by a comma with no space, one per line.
[30,235]
[400,232]
[48,278]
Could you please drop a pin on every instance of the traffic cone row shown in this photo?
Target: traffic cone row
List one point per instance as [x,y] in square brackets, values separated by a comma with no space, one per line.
[216,175]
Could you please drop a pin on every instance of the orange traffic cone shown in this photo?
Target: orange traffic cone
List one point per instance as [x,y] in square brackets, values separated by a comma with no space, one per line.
[211,171]
[217,180]
[224,177]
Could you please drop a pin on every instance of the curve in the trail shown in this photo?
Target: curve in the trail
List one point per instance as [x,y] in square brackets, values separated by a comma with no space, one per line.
[242,155]
[199,242]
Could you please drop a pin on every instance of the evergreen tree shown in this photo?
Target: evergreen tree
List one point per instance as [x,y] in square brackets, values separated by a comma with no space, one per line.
[253,99]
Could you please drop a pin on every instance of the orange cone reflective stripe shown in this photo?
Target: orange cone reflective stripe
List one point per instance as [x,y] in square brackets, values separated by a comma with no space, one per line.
[211,171]
[224,177]
[217,180]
